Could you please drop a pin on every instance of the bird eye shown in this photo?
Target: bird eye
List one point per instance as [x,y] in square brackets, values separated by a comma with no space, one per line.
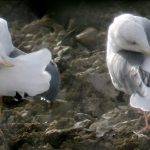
[131,42]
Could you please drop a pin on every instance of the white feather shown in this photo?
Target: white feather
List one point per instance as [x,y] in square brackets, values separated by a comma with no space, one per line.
[28,74]
[137,101]
[128,32]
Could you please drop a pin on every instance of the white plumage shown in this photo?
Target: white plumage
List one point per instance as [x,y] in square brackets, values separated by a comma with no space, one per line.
[25,73]
[128,54]
[128,59]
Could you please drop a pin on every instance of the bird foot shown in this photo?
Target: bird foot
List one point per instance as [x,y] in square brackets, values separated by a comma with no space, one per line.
[142,132]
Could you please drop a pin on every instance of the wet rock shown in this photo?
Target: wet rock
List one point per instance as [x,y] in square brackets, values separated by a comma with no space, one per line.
[88,38]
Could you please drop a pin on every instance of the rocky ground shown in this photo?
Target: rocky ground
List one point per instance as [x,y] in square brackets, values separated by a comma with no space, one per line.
[88,114]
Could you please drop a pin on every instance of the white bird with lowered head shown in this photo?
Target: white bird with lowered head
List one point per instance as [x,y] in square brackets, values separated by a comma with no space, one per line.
[23,73]
[128,59]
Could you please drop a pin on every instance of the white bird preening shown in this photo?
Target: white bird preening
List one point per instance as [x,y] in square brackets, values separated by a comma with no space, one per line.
[128,59]
[25,73]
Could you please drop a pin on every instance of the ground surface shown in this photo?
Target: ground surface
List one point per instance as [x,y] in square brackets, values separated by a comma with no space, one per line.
[89,114]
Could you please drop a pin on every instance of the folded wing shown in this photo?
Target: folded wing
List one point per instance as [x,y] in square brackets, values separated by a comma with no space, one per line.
[28,74]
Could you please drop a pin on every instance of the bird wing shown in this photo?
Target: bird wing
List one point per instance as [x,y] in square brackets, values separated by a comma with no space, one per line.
[16,52]
[51,93]
[52,69]
[127,73]
[5,37]
[28,74]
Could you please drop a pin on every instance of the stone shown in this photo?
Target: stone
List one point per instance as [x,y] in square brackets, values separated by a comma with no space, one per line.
[82,116]
[42,118]
[83,124]
[88,38]
[56,137]
[102,83]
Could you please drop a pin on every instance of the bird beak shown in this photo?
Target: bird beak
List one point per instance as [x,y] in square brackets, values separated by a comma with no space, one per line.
[6,63]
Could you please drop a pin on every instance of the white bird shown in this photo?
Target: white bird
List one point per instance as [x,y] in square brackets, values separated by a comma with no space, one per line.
[25,73]
[128,59]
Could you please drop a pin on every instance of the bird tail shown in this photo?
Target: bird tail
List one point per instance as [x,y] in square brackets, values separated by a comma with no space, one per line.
[140,102]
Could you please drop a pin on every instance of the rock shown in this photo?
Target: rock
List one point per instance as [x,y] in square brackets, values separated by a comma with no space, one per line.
[3,142]
[100,127]
[63,53]
[82,116]
[102,83]
[42,118]
[41,33]
[88,38]
[7,116]
[57,137]
[11,119]
[111,121]
[65,123]
[24,113]
[83,124]
[29,35]
[71,24]
[28,47]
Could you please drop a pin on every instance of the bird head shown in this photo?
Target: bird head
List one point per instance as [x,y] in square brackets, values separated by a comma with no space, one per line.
[5,37]
[128,33]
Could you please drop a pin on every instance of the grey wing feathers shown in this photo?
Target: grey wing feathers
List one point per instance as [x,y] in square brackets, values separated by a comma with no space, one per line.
[127,73]
[145,77]
[146,25]
[54,83]
[16,52]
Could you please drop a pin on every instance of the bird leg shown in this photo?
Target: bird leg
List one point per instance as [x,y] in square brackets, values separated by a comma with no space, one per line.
[147,126]
[146,117]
